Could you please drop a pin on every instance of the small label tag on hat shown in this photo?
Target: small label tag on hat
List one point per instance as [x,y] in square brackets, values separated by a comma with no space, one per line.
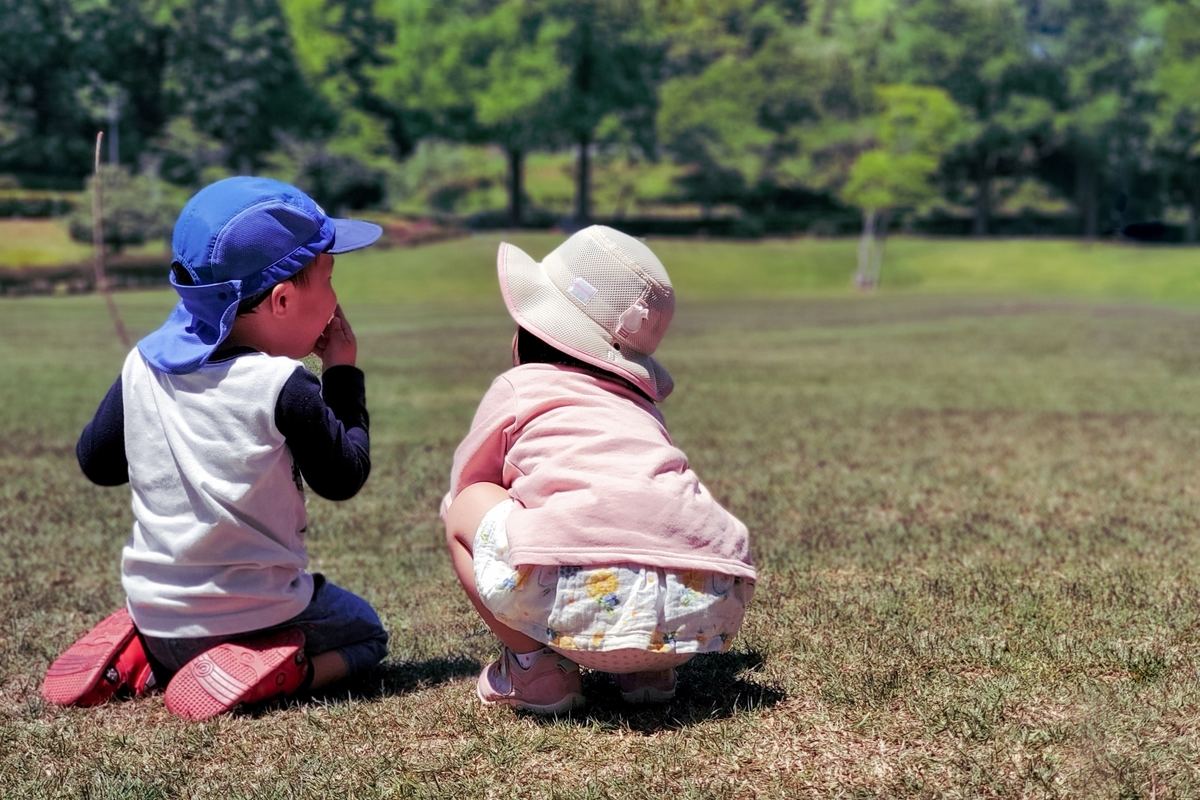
[582,291]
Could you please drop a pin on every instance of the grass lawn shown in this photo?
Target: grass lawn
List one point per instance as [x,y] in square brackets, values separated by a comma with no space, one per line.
[29,243]
[714,269]
[974,502]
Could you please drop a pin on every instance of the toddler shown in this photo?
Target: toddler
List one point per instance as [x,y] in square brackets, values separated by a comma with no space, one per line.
[217,427]
[575,525]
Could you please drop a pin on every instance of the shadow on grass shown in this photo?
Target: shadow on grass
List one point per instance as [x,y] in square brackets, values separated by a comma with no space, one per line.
[384,680]
[710,687]
[393,678]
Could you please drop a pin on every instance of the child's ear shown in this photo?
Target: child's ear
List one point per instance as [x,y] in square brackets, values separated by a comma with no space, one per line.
[281,298]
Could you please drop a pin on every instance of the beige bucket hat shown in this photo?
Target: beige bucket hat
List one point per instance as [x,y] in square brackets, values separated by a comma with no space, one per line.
[600,296]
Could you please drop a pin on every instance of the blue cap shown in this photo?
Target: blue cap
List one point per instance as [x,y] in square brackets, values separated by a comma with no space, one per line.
[236,238]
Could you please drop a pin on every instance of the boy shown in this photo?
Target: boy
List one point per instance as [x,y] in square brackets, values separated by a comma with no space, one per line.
[214,424]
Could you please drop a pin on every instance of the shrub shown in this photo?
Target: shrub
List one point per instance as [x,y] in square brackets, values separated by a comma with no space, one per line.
[136,209]
[35,203]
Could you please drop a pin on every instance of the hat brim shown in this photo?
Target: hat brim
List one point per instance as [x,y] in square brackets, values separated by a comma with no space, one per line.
[537,305]
[353,234]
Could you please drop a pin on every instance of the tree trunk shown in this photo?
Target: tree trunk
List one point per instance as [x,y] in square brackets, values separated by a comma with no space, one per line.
[1085,198]
[1193,220]
[516,187]
[583,180]
[983,203]
[866,244]
[881,234]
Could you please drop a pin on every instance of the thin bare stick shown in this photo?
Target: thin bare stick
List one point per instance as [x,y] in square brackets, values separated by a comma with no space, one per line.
[98,247]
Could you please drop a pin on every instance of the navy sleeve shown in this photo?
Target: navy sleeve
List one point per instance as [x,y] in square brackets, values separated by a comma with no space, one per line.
[101,446]
[325,423]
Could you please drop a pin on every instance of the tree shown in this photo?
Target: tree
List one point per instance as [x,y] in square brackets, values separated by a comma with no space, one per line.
[232,71]
[527,75]
[980,54]
[917,126]
[483,72]
[725,65]
[137,209]
[613,54]
[1101,97]
[765,97]
[346,46]
[65,66]
[1176,118]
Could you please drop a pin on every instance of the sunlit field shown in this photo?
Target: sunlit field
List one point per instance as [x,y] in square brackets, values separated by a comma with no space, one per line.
[32,243]
[973,495]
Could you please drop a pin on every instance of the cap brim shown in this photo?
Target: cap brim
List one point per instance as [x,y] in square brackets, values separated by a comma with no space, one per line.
[538,306]
[353,234]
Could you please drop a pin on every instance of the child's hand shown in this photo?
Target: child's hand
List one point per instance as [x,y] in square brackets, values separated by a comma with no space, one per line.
[336,345]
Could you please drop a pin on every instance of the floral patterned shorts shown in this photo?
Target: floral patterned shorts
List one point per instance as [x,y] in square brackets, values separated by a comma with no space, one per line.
[607,608]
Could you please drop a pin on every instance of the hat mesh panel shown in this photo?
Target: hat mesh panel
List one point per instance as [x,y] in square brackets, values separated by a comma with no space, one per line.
[618,287]
[261,239]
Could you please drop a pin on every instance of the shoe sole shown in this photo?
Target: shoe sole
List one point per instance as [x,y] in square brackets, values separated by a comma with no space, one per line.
[220,679]
[568,703]
[77,671]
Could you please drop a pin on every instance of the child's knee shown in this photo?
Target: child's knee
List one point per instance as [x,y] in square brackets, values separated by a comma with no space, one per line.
[377,645]
[366,652]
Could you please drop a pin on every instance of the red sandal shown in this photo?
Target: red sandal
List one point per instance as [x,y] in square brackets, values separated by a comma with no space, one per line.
[106,660]
[230,674]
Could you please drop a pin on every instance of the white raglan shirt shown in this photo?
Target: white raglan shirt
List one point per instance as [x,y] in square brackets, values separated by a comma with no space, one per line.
[218,537]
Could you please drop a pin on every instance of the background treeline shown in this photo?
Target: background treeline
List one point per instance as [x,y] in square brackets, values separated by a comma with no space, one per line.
[957,116]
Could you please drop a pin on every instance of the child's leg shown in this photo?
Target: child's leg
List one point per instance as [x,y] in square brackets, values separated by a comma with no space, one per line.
[247,670]
[337,635]
[462,521]
[527,675]
[328,668]
[343,632]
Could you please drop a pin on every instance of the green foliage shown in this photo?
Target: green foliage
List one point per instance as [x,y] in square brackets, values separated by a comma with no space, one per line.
[135,209]
[980,54]
[187,156]
[348,170]
[449,178]
[1101,96]
[758,95]
[916,126]
[32,203]
[526,76]
[1176,121]
[64,64]
[766,105]
[883,180]
[232,72]
[344,182]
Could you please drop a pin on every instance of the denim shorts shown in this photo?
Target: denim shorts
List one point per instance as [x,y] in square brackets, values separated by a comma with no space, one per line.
[335,619]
